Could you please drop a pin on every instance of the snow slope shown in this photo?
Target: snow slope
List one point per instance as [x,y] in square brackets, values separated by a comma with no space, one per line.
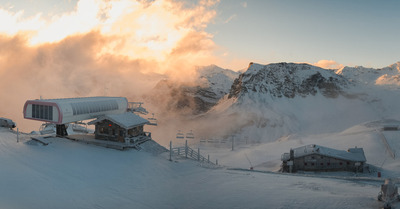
[66,174]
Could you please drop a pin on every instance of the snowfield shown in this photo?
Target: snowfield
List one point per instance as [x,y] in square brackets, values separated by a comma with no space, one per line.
[67,174]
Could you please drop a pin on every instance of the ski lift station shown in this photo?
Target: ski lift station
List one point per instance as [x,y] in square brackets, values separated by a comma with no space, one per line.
[113,119]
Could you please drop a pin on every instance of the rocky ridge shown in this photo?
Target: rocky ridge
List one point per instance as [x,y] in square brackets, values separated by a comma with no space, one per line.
[288,80]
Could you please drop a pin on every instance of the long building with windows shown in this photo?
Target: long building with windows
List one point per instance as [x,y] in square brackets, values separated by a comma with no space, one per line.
[69,110]
[63,111]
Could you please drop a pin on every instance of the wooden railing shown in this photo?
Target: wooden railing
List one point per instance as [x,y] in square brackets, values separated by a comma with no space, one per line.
[188,152]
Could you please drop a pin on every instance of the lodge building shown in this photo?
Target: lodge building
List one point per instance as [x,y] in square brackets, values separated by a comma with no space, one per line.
[318,158]
[119,127]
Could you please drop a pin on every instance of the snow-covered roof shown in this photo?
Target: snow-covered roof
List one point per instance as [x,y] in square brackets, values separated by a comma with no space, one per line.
[126,120]
[353,154]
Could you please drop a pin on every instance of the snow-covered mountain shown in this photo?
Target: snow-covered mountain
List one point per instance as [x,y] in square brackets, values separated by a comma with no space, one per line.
[387,76]
[275,100]
[210,85]
[288,80]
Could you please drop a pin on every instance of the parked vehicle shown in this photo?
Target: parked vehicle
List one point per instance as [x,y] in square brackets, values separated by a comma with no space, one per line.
[7,123]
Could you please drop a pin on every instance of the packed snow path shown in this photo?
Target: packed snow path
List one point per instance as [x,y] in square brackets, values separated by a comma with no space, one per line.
[72,175]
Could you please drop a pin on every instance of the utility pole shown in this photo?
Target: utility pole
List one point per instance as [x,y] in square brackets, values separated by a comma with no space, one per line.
[170,150]
[186,149]
[233,142]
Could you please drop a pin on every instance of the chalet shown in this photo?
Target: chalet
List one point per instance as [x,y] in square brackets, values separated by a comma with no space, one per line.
[119,127]
[318,158]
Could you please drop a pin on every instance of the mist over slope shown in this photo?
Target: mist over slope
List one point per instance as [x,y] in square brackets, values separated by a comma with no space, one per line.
[194,95]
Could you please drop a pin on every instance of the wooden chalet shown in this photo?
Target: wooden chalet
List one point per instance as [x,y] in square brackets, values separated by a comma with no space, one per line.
[119,127]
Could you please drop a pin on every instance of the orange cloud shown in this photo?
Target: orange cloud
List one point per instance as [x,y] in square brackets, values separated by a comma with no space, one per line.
[110,47]
[328,64]
[141,29]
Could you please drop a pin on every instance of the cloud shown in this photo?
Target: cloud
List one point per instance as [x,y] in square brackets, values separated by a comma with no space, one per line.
[244,4]
[141,29]
[328,64]
[110,47]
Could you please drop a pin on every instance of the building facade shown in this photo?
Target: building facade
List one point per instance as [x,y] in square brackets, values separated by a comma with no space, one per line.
[319,158]
[119,127]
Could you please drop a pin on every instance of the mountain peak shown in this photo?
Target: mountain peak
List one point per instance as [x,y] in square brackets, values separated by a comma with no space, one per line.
[287,80]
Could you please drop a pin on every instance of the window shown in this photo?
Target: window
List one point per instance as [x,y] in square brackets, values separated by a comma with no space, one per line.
[312,164]
[50,112]
[42,112]
[121,132]
[45,112]
[328,164]
[322,163]
[37,111]
[340,163]
[33,111]
[305,164]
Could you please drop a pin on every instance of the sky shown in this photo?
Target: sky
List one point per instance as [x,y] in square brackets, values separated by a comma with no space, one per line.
[232,32]
[349,32]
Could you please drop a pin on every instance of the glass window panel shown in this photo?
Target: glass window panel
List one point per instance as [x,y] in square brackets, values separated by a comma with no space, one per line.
[33,111]
[37,111]
[51,112]
[45,112]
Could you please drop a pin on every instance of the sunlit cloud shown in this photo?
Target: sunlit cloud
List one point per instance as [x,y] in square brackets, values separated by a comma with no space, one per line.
[102,47]
[328,64]
[145,29]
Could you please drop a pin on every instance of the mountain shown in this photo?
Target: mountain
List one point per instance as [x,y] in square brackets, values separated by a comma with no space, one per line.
[210,85]
[270,101]
[387,76]
[288,80]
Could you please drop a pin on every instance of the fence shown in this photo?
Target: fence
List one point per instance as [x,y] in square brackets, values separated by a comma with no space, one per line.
[188,152]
